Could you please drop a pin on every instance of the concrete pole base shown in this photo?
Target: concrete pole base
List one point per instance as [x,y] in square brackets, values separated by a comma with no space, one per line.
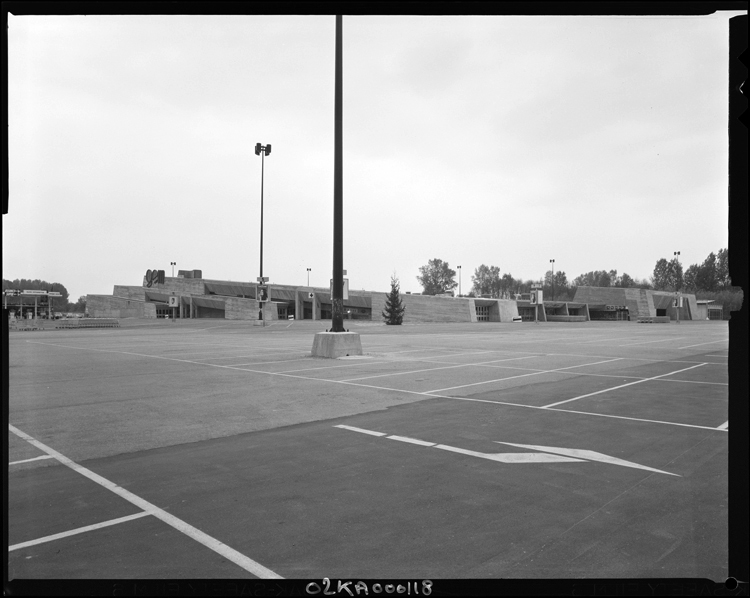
[336,344]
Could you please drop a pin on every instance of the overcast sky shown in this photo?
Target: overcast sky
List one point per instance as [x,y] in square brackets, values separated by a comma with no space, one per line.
[600,142]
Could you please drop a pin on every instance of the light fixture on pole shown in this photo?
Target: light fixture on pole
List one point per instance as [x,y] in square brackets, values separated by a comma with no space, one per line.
[553,278]
[173,264]
[308,276]
[262,151]
[459,280]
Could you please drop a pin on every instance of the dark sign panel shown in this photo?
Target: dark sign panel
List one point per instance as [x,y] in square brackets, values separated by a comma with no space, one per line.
[154,277]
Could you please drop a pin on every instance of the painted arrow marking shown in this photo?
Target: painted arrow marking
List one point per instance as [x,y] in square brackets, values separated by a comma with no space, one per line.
[500,457]
[511,457]
[551,454]
[588,456]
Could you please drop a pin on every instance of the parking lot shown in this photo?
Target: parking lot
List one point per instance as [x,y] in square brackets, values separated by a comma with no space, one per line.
[211,449]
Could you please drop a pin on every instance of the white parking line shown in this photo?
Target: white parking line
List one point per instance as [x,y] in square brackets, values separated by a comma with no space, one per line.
[228,553]
[353,429]
[637,419]
[666,340]
[79,530]
[411,440]
[525,375]
[447,367]
[30,460]
[618,376]
[591,394]
[700,344]
[422,393]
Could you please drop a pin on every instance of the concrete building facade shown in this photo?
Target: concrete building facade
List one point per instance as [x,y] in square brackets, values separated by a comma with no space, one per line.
[208,298]
[638,303]
[197,297]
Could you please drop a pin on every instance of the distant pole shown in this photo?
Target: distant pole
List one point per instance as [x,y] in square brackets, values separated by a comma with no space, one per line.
[262,151]
[308,276]
[173,264]
[262,172]
[459,281]
[553,279]
[337,300]
[677,291]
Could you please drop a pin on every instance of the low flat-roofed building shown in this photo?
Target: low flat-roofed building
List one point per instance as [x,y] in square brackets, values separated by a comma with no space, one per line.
[638,303]
[198,297]
[232,300]
[708,309]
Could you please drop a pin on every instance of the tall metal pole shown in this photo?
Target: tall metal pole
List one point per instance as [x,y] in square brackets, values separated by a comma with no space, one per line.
[553,279]
[337,300]
[262,166]
[677,291]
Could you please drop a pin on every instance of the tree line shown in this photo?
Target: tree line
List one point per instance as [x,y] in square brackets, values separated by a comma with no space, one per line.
[707,280]
[62,303]
[437,277]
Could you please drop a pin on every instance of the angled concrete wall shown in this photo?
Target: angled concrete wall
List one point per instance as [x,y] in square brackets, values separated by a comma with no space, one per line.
[129,292]
[237,308]
[181,286]
[507,310]
[427,308]
[106,306]
[640,302]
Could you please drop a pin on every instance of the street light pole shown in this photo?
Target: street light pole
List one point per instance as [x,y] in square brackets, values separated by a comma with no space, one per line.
[677,292]
[173,264]
[553,279]
[459,281]
[262,151]
[337,295]
[308,276]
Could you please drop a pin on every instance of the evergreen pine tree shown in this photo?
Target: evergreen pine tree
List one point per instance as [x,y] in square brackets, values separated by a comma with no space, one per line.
[394,310]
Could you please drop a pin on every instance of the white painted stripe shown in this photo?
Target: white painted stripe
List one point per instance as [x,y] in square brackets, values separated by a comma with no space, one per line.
[588,455]
[426,393]
[535,353]
[330,367]
[499,457]
[525,375]
[511,457]
[618,376]
[238,365]
[591,394]
[411,440]
[362,430]
[217,546]
[79,530]
[636,419]
[724,426]
[700,344]
[666,340]
[30,460]
[447,367]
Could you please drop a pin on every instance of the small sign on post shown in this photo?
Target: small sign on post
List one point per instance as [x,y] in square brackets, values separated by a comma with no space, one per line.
[345,290]
[677,304]
[174,302]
